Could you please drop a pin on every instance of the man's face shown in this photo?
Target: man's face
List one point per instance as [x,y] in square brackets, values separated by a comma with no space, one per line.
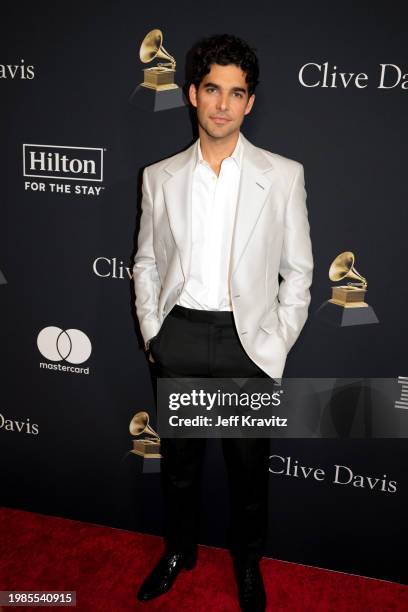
[222,100]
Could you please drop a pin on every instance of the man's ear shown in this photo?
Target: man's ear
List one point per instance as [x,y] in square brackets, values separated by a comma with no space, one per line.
[192,94]
[250,104]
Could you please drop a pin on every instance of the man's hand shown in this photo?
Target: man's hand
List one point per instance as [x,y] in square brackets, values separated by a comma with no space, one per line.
[147,348]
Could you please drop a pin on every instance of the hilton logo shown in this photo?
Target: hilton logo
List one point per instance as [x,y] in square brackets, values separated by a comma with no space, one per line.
[63,163]
[68,163]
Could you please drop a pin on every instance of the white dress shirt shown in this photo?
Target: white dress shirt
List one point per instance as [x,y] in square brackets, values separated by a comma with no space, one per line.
[214,202]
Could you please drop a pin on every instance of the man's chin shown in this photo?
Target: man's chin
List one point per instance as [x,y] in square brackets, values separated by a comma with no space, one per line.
[222,131]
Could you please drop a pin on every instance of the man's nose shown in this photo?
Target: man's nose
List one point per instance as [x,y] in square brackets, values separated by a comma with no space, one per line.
[223,101]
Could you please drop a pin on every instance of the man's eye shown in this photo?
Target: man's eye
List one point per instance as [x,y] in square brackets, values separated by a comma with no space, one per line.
[237,93]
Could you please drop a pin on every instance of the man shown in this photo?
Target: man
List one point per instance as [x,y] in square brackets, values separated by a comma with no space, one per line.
[220,222]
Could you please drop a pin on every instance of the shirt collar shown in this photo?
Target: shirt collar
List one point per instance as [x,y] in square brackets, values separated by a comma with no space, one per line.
[236,155]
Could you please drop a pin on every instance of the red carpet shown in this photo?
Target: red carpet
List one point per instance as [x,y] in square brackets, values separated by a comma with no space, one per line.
[105,567]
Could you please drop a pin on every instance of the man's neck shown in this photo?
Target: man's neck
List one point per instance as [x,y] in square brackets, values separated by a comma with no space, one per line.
[215,150]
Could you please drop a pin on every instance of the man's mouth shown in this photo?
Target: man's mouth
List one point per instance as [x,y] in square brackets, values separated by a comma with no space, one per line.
[220,120]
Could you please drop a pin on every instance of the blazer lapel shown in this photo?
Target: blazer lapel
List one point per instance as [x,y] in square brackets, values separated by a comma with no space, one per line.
[178,199]
[253,192]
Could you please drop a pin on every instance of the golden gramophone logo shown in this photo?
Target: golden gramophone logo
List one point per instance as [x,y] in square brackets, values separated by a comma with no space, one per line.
[147,446]
[347,305]
[353,294]
[161,76]
[158,91]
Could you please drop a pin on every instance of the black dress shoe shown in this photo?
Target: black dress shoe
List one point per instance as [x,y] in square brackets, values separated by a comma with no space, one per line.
[251,590]
[161,579]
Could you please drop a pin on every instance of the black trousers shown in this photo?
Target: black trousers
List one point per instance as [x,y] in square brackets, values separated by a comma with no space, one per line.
[198,343]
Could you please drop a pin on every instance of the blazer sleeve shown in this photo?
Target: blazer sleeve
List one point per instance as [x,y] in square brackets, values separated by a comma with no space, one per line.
[296,264]
[145,276]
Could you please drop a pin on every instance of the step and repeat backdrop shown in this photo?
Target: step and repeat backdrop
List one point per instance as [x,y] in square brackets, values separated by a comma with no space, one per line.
[77,128]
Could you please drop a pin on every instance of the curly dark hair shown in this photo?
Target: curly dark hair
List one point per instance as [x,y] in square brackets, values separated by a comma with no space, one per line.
[223,49]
